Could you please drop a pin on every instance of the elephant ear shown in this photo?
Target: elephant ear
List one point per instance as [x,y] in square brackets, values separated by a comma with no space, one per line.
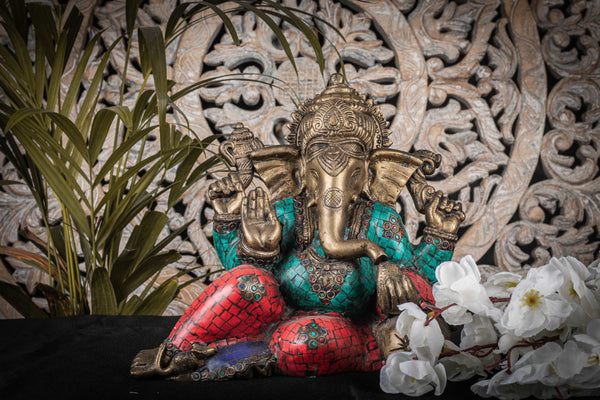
[276,166]
[390,171]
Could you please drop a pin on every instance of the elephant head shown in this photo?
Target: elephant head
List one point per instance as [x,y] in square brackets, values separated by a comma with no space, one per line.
[336,155]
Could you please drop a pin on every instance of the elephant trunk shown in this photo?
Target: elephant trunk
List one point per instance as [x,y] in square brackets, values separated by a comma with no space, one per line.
[333,211]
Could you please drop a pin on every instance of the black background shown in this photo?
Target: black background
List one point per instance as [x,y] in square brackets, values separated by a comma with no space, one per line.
[89,357]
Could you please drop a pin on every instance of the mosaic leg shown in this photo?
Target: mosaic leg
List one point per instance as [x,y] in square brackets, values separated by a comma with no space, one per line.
[240,303]
[239,360]
[311,345]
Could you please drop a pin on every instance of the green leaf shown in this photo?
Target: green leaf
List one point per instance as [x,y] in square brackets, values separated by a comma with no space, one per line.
[275,28]
[53,161]
[6,182]
[61,121]
[145,271]
[127,210]
[152,57]
[58,302]
[182,172]
[32,259]
[121,269]
[119,152]
[103,296]
[76,79]
[177,13]
[59,186]
[42,17]
[131,10]
[116,187]
[20,300]
[123,266]
[70,29]
[131,305]
[201,170]
[168,239]
[100,127]
[58,240]
[19,17]
[158,301]
[144,235]
[139,108]
[88,105]
[18,64]
[297,22]
[227,22]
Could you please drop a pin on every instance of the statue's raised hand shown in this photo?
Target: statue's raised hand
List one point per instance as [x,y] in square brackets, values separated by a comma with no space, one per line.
[260,228]
[227,195]
[444,214]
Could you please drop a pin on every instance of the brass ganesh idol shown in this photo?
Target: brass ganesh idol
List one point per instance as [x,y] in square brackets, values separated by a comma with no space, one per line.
[317,266]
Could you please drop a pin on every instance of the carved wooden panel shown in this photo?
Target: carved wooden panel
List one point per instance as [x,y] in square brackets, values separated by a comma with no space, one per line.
[507,91]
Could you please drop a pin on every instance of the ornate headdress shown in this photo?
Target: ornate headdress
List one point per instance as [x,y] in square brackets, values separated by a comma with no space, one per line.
[339,111]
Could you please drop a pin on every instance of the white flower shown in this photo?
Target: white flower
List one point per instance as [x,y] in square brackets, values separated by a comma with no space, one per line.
[537,373]
[593,281]
[403,374]
[501,286]
[574,290]
[509,342]
[591,339]
[535,304]
[461,366]
[478,332]
[498,388]
[425,341]
[460,283]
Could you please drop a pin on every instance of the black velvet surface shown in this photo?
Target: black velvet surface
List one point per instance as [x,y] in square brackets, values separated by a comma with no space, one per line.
[89,357]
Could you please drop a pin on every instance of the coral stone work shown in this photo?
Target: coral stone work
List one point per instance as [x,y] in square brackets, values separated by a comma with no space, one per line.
[250,287]
[312,335]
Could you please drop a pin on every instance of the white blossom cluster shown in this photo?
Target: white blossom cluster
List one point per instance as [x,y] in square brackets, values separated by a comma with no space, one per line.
[533,336]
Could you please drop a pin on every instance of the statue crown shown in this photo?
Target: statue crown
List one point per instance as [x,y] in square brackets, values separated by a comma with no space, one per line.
[339,111]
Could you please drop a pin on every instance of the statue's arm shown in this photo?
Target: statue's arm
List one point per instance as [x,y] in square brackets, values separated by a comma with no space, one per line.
[245,228]
[442,217]
[410,271]
[225,241]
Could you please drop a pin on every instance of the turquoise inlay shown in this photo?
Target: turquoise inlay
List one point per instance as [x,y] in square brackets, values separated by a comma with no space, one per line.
[428,257]
[284,209]
[226,248]
[359,285]
[395,244]
[424,258]
[354,292]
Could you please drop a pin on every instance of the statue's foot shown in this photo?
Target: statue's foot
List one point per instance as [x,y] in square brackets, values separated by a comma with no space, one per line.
[388,339]
[156,362]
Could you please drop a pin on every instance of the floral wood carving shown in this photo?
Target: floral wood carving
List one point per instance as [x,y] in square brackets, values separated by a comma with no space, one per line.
[507,91]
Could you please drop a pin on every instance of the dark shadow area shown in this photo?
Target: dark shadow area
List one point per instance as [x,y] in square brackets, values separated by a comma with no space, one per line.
[89,357]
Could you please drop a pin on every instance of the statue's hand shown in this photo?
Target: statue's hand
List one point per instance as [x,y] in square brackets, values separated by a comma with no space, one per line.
[227,195]
[444,214]
[260,228]
[394,288]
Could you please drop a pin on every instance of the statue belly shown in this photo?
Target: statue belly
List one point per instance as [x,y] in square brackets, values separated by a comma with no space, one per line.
[311,283]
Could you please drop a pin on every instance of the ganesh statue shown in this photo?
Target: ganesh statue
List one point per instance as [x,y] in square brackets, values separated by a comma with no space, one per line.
[317,259]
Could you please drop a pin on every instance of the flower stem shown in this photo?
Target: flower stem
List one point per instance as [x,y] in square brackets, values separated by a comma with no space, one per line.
[499,299]
[534,344]
[436,311]
[474,350]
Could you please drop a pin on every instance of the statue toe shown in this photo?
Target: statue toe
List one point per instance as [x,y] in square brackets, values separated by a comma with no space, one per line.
[154,362]
[143,364]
